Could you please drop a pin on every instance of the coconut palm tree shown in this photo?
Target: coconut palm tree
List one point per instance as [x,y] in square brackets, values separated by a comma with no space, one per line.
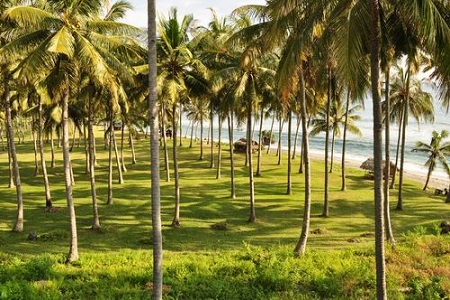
[437,149]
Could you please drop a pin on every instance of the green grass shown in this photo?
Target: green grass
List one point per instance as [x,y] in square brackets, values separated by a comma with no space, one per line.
[252,261]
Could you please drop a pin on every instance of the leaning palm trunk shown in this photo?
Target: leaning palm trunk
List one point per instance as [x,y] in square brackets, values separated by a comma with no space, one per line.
[297,129]
[270,135]
[258,167]
[48,197]
[133,152]
[176,215]
[289,168]
[11,183]
[344,143]
[300,168]
[96,219]
[191,142]
[116,154]
[164,138]
[402,152]
[252,216]
[73,250]
[18,227]
[231,138]
[300,248]
[122,139]
[219,150]
[387,150]
[377,152]
[397,153]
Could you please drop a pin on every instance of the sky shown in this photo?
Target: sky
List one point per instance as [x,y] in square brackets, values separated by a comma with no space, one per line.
[199,8]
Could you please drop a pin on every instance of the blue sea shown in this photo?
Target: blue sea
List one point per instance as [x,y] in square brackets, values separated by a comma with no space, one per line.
[359,148]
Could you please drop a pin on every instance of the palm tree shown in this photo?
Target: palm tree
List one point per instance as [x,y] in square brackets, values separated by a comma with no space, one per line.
[154,142]
[437,150]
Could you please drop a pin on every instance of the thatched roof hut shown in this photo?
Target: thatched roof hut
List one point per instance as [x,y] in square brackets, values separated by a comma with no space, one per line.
[368,165]
[240,146]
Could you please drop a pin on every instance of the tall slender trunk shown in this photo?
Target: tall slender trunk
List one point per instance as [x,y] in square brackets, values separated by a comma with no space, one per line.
[74,135]
[258,167]
[289,168]
[387,165]
[110,198]
[201,137]
[164,138]
[154,157]
[211,132]
[231,140]
[271,132]
[122,140]
[377,152]
[73,249]
[1,138]
[11,183]
[192,136]
[133,152]
[35,150]
[300,168]
[219,151]
[86,149]
[279,152]
[402,152]
[52,149]
[297,129]
[252,216]
[18,227]
[96,218]
[397,153]
[181,127]
[325,212]
[48,197]
[344,141]
[300,248]
[116,153]
[176,215]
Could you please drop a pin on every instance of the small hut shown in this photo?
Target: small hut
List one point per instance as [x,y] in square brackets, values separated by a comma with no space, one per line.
[369,165]
[240,146]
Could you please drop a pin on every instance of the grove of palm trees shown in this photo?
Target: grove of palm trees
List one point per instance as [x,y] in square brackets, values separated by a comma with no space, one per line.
[120,178]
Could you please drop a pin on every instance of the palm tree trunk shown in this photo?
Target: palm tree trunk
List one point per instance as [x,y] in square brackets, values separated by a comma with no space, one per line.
[96,219]
[447,199]
[219,151]
[110,198]
[164,138]
[387,149]
[300,168]
[297,129]
[270,135]
[325,212]
[52,148]
[181,127]
[192,136]
[176,215]
[211,131]
[231,140]
[430,170]
[201,137]
[133,152]
[377,152]
[252,216]
[73,249]
[289,168]
[1,138]
[122,139]
[116,153]
[300,248]
[397,154]
[86,148]
[18,227]
[35,150]
[344,142]
[402,152]
[11,183]
[279,152]
[48,197]
[154,151]
[74,134]
[258,168]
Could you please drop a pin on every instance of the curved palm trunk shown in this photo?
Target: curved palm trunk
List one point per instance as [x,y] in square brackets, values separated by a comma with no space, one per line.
[258,167]
[397,153]
[48,197]
[402,152]
[377,153]
[116,153]
[252,216]
[73,250]
[344,143]
[387,150]
[96,219]
[176,215]
[18,227]
[289,168]
[231,138]
[219,151]
[430,170]
[300,248]
[122,139]
[154,156]
[270,135]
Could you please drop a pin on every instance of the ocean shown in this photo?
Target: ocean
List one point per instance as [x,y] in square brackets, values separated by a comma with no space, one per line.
[359,148]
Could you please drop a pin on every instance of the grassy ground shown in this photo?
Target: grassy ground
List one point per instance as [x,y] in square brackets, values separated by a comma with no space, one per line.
[120,252]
